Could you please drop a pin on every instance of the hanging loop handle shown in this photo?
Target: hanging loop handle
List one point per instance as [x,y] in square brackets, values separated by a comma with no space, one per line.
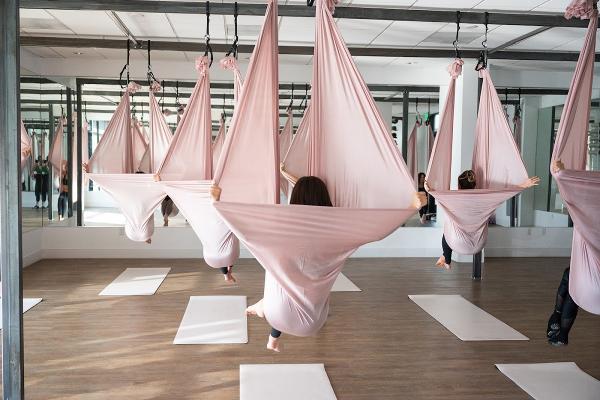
[125,68]
[208,49]
[455,42]
[150,75]
[483,54]
[233,51]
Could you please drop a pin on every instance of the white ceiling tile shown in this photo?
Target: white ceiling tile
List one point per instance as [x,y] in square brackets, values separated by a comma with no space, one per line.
[499,35]
[84,22]
[550,39]
[361,32]
[557,6]
[509,5]
[297,30]
[147,25]
[407,33]
[454,4]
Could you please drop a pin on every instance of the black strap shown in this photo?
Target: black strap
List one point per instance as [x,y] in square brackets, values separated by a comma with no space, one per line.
[208,49]
[150,75]
[292,97]
[125,67]
[455,43]
[310,2]
[483,54]
[234,46]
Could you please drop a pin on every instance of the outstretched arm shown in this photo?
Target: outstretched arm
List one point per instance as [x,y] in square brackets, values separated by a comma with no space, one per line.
[533,181]
[289,177]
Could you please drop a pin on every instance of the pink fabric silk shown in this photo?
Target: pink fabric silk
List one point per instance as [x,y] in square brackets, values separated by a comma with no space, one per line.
[303,248]
[430,139]
[518,130]
[285,140]
[55,154]
[26,146]
[139,142]
[190,155]
[114,152]
[497,163]
[217,146]
[160,136]
[248,169]
[413,166]
[296,159]
[580,189]
[230,63]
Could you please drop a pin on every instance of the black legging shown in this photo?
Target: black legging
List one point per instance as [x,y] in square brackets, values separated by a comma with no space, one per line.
[565,311]
[62,203]
[275,333]
[224,270]
[447,250]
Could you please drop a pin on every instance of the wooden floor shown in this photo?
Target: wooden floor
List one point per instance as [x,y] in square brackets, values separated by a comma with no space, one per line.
[377,344]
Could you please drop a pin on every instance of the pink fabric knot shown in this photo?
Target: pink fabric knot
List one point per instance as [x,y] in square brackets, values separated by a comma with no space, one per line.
[229,63]
[583,9]
[133,87]
[155,87]
[202,64]
[455,69]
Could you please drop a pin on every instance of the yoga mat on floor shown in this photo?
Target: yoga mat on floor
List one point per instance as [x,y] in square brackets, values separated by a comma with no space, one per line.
[136,282]
[553,381]
[343,284]
[28,304]
[464,319]
[285,381]
[214,320]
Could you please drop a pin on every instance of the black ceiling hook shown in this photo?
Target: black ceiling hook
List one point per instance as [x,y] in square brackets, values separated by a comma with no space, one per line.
[150,75]
[125,67]
[208,49]
[234,46]
[455,43]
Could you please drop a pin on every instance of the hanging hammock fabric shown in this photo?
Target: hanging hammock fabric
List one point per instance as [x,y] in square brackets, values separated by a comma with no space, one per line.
[139,142]
[26,146]
[114,152]
[430,139]
[296,160]
[285,140]
[217,145]
[55,154]
[160,135]
[580,189]
[137,195]
[303,248]
[412,158]
[497,164]
[228,63]
[247,170]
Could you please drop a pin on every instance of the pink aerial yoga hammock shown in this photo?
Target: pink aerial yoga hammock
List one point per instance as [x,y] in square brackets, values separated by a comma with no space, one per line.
[497,164]
[303,248]
[137,195]
[412,159]
[160,135]
[26,146]
[430,138]
[55,154]
[229,63]
[296,159]
[285,140]
[580,189]
[114,153]
[247,170]
[139,142]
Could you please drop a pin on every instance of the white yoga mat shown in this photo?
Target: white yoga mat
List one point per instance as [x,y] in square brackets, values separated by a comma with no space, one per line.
[136,282]
[285,381]
[553,381]
[343,284]
[214,320]
[464,319]
[28,304]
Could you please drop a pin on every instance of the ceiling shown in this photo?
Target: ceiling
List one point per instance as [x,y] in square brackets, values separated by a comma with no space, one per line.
[300,31]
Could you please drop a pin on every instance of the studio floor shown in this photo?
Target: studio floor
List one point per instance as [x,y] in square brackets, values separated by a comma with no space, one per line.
[376,344]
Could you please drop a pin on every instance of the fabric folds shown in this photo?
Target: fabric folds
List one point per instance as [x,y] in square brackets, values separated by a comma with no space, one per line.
[580,189]
[26,146]
[285,140]
[56,155]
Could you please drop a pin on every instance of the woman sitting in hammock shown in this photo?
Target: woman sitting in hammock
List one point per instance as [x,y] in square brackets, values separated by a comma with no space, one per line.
[467,180]
[309,191]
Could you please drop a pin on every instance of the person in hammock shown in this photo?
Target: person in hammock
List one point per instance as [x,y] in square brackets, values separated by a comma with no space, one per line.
[309,191]
[215,193]
[168,209]
[467,181]
[421,188]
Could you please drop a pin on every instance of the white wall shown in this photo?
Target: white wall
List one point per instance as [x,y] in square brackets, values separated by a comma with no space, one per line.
[110,242]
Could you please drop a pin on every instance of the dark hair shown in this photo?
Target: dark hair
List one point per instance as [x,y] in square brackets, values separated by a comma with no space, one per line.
[467,180]
[421,175]
[310,191]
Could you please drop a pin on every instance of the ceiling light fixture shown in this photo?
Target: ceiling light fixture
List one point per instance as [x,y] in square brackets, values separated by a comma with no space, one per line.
[77,53]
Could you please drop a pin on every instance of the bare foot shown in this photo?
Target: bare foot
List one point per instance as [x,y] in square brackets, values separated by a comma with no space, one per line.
[229,278]
[441,262]
[273,344]
[256,309]
[165,221]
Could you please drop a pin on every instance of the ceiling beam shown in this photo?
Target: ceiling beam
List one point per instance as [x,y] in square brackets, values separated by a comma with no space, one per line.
[392,52]
[384,14]
[519,39]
